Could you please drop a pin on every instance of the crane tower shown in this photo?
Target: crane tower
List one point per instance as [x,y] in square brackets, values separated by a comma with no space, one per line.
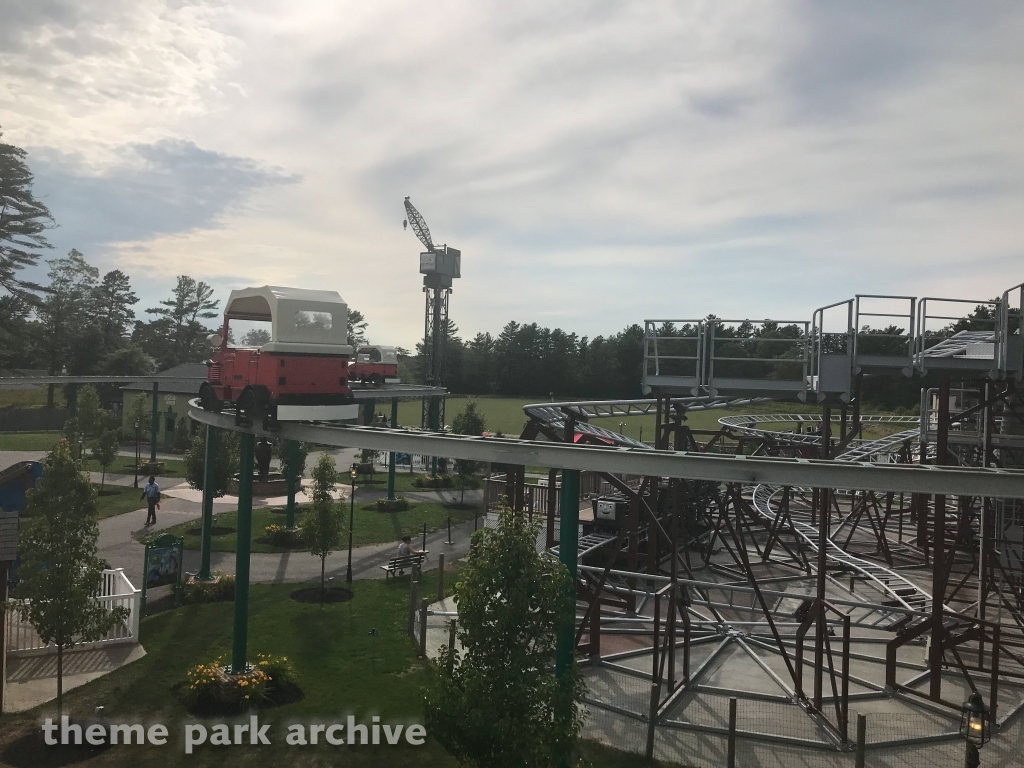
[439,265]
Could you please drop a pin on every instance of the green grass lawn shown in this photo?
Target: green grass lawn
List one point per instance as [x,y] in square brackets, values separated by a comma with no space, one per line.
[341,668]
[125,465]
[371,526]
[28,441]
[30,397]
[118,499]
[404,482]
[505,414]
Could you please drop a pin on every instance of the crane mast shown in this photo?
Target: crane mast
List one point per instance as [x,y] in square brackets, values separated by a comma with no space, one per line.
[439,265]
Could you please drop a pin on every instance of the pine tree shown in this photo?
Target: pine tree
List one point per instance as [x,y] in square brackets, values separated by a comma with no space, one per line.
[23,219]
[177,334]
[60,575]
[114,313]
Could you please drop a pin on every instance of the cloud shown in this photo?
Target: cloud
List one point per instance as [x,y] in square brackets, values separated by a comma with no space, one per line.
[596,162]
[171,187]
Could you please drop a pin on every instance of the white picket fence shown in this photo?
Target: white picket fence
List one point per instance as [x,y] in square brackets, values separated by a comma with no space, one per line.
[118,592]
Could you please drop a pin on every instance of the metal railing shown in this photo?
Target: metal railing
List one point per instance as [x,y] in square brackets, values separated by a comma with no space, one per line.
[675,351]
[117,592]
[878,342]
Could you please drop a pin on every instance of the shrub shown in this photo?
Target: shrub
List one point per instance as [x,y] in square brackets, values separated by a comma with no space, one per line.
[400,504]
[440,481]
[280,536]
[220,587]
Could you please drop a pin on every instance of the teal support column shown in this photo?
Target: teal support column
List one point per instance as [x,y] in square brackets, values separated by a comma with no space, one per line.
[292,461]
[435,426]
[241,639]
[368,408]
[209,479]
[391,456]
[568,545]
[73,399]
[155,424]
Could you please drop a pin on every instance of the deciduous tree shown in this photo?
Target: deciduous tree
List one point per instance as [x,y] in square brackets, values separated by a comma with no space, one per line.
[497,703]
[104,450]
[225,461]
[60,575]
[322,525]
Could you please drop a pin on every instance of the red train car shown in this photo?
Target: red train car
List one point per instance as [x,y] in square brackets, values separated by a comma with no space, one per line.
[374,365]
[299,373]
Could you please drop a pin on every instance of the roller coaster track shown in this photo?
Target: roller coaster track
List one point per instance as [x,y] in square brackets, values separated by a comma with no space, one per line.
[900,591]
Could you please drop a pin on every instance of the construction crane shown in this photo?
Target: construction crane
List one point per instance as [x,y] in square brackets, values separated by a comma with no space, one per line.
[439,265]
[419,226]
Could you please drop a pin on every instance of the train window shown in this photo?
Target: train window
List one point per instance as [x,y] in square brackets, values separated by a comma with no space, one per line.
[307,321]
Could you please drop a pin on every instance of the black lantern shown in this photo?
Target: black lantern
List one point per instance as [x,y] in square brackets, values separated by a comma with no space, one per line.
[974,721]
[352,472]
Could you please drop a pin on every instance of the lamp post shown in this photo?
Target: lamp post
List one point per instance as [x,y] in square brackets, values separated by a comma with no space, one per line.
[136,453]
[351,519]
[974,727]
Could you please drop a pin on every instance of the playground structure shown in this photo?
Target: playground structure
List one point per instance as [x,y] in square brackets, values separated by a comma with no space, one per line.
[812,598]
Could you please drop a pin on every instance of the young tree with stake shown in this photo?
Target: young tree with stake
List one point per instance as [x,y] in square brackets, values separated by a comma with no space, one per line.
[322,526]
[60,575]
[105,452]
[468,421]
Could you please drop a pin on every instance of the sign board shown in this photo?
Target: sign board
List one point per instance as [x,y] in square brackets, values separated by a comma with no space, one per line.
[162,565]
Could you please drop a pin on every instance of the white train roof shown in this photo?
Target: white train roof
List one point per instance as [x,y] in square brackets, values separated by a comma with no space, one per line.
[297,315]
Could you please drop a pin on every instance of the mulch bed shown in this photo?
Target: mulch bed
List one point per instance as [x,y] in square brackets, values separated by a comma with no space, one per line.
[317,595]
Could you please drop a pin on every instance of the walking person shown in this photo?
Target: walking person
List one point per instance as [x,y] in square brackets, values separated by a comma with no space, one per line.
[151,493]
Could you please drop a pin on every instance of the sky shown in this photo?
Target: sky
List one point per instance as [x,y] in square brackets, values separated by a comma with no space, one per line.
[597,163]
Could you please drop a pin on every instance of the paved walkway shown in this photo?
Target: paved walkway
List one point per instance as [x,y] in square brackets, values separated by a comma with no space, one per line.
[119,541]
[32,680]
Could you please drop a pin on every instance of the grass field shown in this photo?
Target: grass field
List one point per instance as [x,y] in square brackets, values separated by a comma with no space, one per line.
[125,465]
[118,499]
[505,414]
[370,526]
[30,397]
[404,482]
[28,441]
[341,668]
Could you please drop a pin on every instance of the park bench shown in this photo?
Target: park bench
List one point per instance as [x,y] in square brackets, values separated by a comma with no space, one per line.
[397,564]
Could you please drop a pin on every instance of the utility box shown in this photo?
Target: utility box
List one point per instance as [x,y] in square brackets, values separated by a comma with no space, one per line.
[441,266]
[610,511]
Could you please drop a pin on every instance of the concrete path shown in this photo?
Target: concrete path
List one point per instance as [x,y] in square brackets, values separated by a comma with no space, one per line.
[119,542]
[32,680]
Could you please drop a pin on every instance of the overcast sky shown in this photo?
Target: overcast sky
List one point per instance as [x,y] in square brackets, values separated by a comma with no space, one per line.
[597,163]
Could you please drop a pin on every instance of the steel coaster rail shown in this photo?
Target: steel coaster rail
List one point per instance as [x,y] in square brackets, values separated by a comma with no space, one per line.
[727,468]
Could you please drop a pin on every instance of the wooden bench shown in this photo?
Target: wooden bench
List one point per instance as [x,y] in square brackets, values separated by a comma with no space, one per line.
[396,564]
